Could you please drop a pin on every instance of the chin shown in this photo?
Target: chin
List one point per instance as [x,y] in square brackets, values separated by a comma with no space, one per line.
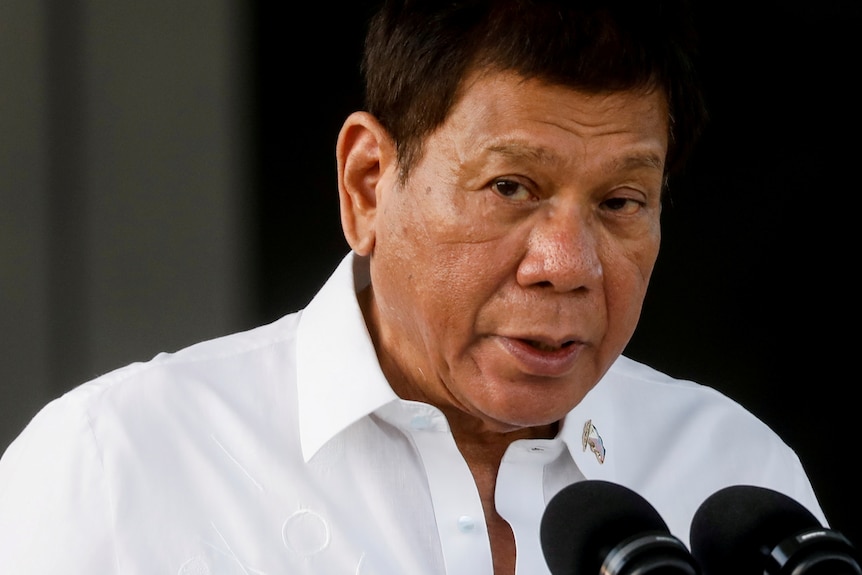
[525,415]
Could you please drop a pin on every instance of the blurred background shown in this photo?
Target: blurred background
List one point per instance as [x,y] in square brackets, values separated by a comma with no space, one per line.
[167,175]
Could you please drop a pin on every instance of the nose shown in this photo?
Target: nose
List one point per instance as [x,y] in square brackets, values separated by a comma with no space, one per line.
[562,253]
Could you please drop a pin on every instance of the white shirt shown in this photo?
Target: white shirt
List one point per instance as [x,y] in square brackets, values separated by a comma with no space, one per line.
[283,450]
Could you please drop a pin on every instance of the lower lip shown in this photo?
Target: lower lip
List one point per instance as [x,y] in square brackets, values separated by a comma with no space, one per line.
[542,363]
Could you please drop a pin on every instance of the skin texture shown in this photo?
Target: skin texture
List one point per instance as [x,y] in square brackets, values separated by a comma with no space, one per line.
[509,269]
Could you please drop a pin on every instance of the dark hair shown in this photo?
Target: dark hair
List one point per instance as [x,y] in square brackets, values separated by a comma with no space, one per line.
[417,52]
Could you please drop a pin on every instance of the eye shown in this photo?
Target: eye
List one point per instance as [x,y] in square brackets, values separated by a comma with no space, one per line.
[622,205]
[511,189]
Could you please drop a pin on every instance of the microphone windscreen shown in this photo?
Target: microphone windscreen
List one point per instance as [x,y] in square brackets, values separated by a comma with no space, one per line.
[587,519]
[735,528]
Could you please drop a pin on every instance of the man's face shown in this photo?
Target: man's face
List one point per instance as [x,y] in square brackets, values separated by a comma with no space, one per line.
[508,272]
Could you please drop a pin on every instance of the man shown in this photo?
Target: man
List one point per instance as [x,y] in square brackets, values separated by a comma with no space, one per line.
[501,197]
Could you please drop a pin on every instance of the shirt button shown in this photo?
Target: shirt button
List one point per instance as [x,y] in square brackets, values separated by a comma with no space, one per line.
[466,524]
[420,422]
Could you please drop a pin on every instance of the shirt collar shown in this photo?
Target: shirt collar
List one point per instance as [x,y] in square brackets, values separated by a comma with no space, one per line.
[338,378]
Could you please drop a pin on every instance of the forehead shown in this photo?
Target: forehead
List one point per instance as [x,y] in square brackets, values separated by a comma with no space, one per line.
[505,113]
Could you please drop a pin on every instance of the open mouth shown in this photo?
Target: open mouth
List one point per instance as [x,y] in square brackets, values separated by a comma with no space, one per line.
[543,356]
[541,346]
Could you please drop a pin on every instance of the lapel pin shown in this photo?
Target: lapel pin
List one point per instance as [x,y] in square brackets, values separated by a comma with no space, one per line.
[592,438]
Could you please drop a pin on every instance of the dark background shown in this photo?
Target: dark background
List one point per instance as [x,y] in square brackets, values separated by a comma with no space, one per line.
[755,288]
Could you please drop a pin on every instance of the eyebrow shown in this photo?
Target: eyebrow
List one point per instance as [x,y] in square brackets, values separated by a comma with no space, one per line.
[644,159]
[639,160]
[521,150]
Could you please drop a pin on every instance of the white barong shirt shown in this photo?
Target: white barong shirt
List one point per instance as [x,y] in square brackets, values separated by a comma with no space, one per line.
[282,450]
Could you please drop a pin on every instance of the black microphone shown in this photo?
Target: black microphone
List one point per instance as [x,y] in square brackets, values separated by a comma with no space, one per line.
[596,527]
[748,530]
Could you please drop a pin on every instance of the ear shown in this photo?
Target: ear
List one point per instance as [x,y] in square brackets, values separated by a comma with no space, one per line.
[365,155]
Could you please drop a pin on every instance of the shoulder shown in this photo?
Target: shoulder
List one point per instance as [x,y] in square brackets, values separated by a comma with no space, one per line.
[167,393]
[668,423]
[227,366]
[678,432]
[634,384]
[691,415]
[161,426]
[651,418]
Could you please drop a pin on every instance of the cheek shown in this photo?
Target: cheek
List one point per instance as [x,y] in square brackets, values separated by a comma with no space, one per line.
[436,289]
[439,259]
[627,277]
[628,259]
[443,234]
[421,272]
[451,282]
